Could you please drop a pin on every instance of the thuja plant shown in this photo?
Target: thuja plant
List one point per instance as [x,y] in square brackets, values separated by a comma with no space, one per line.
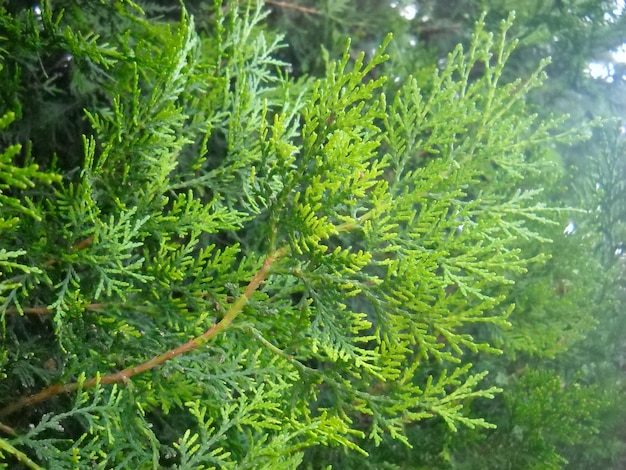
[242,266]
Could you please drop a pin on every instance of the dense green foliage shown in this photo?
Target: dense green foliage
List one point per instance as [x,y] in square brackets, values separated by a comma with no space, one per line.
[207,263]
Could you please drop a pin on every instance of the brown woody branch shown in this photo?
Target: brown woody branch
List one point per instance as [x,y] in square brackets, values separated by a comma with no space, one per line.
[124,375]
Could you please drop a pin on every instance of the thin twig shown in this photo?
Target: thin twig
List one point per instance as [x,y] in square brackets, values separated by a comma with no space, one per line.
[124,375]
[8,430]
[293,6]
[46,310]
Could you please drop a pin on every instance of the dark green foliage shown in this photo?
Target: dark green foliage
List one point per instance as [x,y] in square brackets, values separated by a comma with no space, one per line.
[207,264]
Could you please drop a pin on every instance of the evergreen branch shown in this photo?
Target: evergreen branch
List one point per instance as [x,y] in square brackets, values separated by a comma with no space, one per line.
[124,375]
[14,177]
[279,352]
[401,229]
[19,456]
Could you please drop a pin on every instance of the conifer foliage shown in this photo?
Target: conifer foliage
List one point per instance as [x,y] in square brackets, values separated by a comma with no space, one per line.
[213,265]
